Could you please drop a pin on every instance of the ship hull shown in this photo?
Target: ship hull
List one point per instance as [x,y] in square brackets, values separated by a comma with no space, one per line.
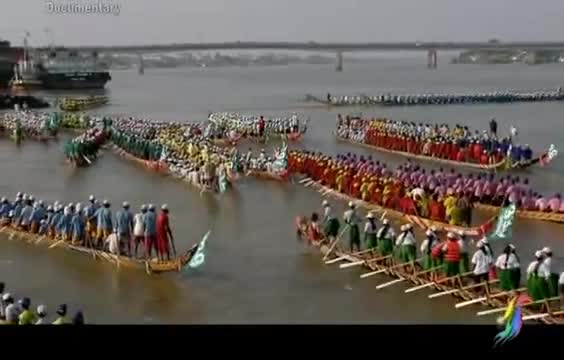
[70,81]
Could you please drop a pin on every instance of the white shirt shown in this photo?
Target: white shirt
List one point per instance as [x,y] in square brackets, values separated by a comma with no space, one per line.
[369,229]
[113,244]
[138,227]
[390,234]
[405,238]
[425,245]
[548,264]
[541,272]
[561,280]
[482,262]
[512,263]
[462,245]
[327,212]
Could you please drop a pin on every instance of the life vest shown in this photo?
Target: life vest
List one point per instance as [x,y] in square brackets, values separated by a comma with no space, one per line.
[452,251]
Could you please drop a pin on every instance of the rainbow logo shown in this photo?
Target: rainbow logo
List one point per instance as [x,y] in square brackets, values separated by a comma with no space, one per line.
[513,320]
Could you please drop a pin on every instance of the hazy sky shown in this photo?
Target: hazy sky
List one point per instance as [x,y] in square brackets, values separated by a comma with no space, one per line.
[164,21]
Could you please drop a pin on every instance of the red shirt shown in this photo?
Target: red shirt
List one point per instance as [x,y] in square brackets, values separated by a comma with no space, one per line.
[162,223]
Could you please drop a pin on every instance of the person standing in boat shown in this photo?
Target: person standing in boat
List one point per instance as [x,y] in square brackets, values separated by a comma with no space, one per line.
[385,237]
[493,128]
[370,229]
[124,223]
[150,224]
[351,220]
[104,224]
[406,244]
[330,223]
[509,269]
[464,258]
[426,249]
[552,278]
[537,274]
[481,262]
[139,230]
[314,235]
[78,224]
[451,256]
[164,234]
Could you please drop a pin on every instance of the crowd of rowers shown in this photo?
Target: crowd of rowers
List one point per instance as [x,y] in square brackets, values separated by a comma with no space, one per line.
[254,126]
[438,141]
[20,313]
[440,99]
[28,124]
[92,226]
[451,253]
[441,196]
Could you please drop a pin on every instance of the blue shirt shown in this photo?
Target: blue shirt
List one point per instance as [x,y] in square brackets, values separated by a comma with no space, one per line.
[124,222]
[55,218]
[78,225]
[104,219]
[26,214]
[64,224]
[18,210]
[90,211]
[37,215]
[4,209]
[150,221]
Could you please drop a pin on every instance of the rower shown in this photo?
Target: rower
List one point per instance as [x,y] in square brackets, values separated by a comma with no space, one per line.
[370,232]
[552,279]
[11,312]
[150,226]
[426,248]
[509,269]
[111,243]
[26,317]
[405,242]
[451,252]
[481,261]
[385,237]
[41,315]
[164,233]
[61,318]
[78,225]
[536,278]
[104,222]
[124,223]
[464,259]
[351,219]
[313,233]
[330,223]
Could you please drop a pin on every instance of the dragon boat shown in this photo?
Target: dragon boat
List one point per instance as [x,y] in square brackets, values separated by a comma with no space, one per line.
[486,293]
[499,166]
[413,219]
[83,103]
[152,266]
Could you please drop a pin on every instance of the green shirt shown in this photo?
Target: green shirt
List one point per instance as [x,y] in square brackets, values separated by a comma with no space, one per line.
[26,318]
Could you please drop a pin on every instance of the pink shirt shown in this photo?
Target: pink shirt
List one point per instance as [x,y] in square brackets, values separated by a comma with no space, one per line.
[541,204]
[554,204]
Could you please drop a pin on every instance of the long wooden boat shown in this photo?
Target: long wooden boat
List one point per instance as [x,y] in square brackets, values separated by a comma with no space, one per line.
[160,167]
[152,266]
[421,222]
[499,166]
[527,214]
[266,175]
[484,293]
[81,104]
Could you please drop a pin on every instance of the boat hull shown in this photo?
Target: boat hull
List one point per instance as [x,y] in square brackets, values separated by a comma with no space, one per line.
[150,266]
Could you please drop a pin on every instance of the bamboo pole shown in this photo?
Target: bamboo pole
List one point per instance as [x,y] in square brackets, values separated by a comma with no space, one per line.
[502,309]
[453,291]
[484,298]
[432,283]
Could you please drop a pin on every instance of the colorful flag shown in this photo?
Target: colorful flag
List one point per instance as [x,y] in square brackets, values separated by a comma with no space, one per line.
[513,320]
[504,226]
[199,258]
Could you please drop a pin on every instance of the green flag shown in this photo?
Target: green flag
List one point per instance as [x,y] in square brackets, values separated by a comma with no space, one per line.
[199,258]
[504,227]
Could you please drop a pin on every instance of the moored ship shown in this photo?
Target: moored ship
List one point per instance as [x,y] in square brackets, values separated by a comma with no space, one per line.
[8,59]
[67,70]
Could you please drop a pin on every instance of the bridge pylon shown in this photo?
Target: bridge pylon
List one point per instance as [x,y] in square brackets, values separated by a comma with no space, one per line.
[432,58]
[339,67]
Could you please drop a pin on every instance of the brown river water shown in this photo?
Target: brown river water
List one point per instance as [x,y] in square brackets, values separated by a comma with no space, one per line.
[255,270]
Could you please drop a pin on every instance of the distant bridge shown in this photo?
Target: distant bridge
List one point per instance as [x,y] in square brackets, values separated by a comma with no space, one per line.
[318,46]
[338,47]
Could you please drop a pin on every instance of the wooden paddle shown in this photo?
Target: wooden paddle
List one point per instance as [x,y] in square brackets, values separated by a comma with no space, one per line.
[387,268]
[502,309]
[389,283]
[332,261]
[362,262]
[335,243]
[56,244]
[543,315]
[484,298]
[453,291]
[432,283]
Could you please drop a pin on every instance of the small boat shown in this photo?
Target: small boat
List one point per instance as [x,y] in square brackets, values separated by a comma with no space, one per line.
[435,279]
[422,222]
[81,104]
[500,166]
[153,266]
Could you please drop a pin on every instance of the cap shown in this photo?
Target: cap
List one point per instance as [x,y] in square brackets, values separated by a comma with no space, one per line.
[351,204]
[512,247]
[538,254]
[546,250]
[105,202]
[370,215]
[151,207]
[25,302]
[6,296]
[125,204]
[451,235]
[91,198]
[386,222]
[428,232]
[143,207]
[433,228]
[42,310]
[325,203]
